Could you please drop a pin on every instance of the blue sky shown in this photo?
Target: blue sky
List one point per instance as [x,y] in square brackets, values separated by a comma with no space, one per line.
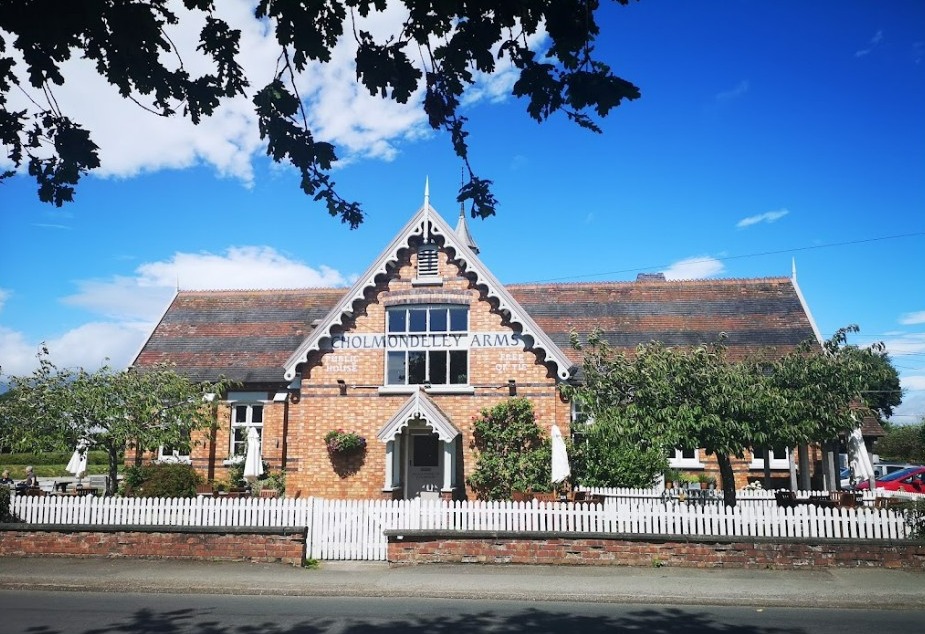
[766,132]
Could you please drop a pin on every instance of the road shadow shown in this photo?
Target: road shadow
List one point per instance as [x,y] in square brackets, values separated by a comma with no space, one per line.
[649,620]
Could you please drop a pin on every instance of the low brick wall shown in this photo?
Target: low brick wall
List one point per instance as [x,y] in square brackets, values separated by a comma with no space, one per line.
[598,549]
[158,542]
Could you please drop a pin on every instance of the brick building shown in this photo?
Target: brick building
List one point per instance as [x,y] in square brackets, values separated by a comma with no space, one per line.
[423,341]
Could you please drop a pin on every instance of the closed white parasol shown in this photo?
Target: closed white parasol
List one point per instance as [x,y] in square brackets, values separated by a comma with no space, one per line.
[77,465]
[253,462]
[861,465]
[560,466]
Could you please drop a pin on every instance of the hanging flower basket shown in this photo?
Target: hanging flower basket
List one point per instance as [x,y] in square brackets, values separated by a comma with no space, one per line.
[342,443]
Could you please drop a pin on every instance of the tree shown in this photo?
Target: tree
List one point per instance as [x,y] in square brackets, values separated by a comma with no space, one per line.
[131,46]
[54,409]
[615,443]
[602,456]
[663,398]
[513,453]
[904,443]
[826,391]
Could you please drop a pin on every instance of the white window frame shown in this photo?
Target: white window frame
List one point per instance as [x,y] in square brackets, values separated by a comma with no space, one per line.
[427,308]
[679,461]
[576,414]
[776,462]
[244,425]
[174,457]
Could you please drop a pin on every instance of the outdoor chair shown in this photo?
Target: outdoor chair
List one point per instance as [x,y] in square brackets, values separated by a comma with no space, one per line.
[786,499]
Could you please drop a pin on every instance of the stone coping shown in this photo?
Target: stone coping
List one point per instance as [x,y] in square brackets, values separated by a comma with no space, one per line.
[150,528]
[399,535]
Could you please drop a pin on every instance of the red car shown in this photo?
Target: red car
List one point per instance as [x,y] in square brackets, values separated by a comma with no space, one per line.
[911,480]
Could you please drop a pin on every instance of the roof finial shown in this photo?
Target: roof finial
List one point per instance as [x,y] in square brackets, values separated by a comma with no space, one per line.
[793,270]
[462,229]
[426,209]
[462,183]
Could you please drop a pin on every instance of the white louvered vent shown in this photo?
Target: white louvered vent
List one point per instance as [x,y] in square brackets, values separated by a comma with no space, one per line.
[427,261]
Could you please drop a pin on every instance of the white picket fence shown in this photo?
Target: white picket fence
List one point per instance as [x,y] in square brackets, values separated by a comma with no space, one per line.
[353,529]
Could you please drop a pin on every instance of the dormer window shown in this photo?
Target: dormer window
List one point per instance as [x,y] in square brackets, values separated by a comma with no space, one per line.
[428,264]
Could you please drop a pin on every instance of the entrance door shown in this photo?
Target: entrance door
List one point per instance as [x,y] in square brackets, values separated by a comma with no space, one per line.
[424,471]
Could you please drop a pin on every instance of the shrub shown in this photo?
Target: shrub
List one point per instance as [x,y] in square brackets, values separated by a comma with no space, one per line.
[162,480]
[513,452]
[5,514]
[914,515]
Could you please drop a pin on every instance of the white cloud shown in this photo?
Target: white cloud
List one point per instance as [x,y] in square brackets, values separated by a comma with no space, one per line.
[130,305]
[339,109]
[4,295]
[914,382]
[911,343]
[769,216]
[910,319]
[739,90]
[874,42]
[694,268]
[144,295]
[912,409]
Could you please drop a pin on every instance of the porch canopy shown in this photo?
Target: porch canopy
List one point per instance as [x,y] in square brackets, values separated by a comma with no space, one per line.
[419,408]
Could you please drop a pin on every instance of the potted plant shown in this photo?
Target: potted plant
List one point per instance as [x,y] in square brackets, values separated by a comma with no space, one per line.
[671,477]
[706,480]
[687,480]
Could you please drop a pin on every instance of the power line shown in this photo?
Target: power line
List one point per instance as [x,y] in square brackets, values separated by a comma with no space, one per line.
[747,255]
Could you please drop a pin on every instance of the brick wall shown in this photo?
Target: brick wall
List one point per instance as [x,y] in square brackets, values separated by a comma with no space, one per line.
[218,544]
[419,547]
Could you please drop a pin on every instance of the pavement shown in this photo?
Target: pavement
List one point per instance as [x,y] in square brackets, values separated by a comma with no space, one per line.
[844,587]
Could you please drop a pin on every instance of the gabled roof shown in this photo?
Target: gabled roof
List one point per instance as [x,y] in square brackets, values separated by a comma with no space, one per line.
[753,314]
[428,223]
[250,335]
[419,407]
[244,335]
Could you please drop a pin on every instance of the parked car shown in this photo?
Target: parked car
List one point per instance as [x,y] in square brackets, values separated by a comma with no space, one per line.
[844,478]
[911,480]
[882,469]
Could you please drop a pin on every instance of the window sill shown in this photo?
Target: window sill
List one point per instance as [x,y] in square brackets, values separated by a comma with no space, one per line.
[776,465]
[232,461]
[450,389]
[433,389]
[427,281]
[685,464]
[174,460]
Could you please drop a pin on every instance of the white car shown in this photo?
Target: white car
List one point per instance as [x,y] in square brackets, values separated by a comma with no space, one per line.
[886,468]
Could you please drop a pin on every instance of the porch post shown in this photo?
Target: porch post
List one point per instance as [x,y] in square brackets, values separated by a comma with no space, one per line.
[389,479]
[448,456]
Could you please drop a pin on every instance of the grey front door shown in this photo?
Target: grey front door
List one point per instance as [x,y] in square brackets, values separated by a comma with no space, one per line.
[423,464]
